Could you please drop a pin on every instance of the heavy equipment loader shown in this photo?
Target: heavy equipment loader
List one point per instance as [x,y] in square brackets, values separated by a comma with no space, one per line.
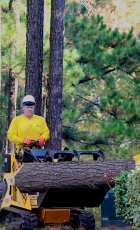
[54,206]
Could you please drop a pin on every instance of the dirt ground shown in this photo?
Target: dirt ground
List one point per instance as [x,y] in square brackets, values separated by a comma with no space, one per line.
[111,227]
[68,228]
[115,228]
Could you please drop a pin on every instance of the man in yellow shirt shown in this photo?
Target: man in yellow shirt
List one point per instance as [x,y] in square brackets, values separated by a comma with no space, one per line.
[28,126]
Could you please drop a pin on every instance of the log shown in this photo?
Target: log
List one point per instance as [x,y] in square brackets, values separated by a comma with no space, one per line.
[37,177]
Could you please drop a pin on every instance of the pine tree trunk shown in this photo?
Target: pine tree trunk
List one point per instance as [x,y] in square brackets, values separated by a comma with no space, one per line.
[34,51]
[56,73]
[11,103]
[34,177]
[12,98]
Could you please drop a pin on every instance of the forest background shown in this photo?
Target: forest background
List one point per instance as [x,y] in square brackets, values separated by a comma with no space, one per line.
[101,67]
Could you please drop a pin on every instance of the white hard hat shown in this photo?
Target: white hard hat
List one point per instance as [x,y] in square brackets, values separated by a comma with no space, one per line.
[28,99]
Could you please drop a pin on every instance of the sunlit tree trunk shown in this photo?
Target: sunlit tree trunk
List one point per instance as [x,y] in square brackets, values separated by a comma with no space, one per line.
[34,51]
[11,101]
[56,73]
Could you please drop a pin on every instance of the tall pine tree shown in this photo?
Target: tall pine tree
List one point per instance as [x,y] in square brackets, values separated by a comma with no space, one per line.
[34,51]
[56,73]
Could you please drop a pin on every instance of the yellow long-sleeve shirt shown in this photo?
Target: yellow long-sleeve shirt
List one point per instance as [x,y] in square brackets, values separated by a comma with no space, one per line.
[23,128]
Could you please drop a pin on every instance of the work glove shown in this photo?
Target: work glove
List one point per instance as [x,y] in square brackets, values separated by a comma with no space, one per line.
[27,142]
[41,141]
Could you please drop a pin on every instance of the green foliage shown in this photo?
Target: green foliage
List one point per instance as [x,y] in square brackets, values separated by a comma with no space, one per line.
[13,51]
[98,62]
[127,197]
[121,200]
[109,61]
[13,43]
[13,38]
[102,49]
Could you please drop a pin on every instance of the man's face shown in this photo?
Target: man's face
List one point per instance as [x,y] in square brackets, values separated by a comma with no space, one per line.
[28,110]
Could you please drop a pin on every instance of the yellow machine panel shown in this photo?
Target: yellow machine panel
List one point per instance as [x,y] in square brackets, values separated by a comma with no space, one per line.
[55,216]
[13,196]
[33,200]
[137,159]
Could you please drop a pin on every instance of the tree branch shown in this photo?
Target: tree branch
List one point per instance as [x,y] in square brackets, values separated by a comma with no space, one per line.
[11,4]
[91,103]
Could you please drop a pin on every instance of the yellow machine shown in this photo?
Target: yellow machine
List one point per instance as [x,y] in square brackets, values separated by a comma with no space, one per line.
[54,206]
[137,159]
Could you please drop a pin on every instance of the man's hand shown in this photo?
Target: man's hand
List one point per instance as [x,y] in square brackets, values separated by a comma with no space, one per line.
[27,142]
[41,141]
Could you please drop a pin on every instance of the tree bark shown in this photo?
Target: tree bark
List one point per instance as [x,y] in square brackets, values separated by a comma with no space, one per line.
[12,98]
[11,103]
[34,51]
[56,73]
[35,177]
